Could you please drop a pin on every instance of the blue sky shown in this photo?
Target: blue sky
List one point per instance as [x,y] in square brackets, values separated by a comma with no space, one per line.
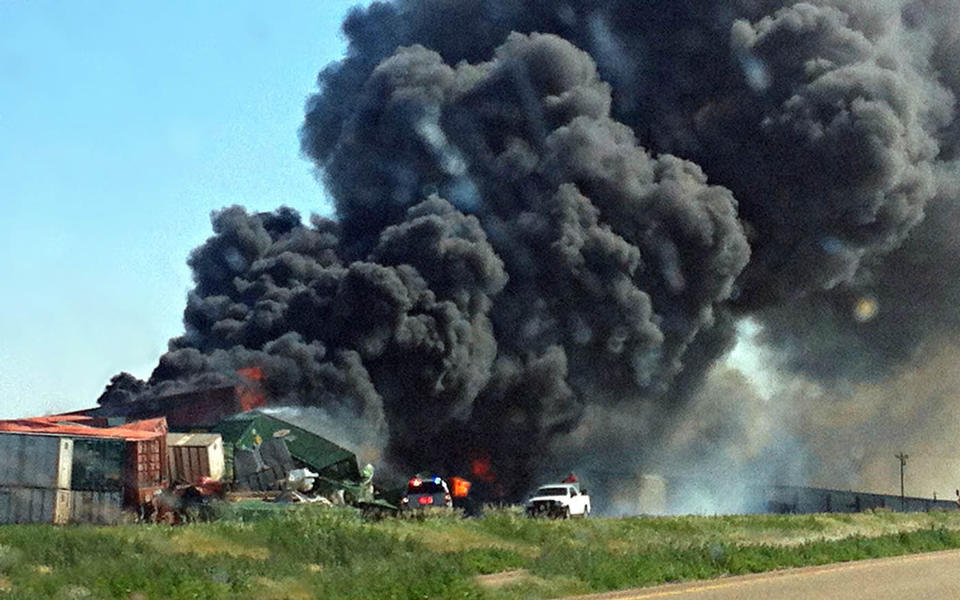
[122,126]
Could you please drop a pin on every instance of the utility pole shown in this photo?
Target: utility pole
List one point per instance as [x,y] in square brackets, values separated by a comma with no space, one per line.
[903,462]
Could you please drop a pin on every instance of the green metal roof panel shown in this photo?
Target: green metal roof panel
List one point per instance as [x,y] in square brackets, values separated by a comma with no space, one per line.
[309,448]
[232,430]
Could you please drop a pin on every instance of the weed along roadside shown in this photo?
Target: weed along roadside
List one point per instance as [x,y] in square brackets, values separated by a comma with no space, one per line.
[268,507]
[311,551]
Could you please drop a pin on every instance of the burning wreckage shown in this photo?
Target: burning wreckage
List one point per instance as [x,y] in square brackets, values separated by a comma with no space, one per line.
[107,464]
[122,461]
[551,232]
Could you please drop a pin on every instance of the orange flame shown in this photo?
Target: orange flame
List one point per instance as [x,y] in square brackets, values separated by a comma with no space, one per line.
[481,470]
[251,396]
[461,487]
[254,373]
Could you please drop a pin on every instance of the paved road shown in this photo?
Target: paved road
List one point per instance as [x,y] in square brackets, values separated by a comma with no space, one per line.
[932,575]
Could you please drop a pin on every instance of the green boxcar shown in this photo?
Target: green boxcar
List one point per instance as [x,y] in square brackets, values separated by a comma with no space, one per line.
[248,430]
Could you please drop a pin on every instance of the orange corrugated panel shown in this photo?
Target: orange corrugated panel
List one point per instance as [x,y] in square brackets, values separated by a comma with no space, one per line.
[152,428]
[86,419]
[144,466]
[158,425]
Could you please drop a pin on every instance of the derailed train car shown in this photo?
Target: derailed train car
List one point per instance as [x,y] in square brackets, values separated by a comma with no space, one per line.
[65,469]
[191,409]
[262,449]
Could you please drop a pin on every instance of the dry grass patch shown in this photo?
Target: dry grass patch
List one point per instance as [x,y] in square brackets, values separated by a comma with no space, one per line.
[453,535]
[498,580]
[836,526]
[533,587]
[193,541]
[461,539]
[284,589]
[452,539]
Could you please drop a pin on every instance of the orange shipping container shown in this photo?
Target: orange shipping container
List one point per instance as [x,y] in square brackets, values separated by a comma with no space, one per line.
[144,469]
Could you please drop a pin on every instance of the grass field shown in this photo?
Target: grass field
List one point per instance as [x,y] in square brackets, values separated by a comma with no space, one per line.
[313,552]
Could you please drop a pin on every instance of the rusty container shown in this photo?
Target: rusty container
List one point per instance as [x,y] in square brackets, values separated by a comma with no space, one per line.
[144,468]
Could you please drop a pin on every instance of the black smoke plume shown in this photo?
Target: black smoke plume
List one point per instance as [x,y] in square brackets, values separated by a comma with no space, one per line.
[550,208]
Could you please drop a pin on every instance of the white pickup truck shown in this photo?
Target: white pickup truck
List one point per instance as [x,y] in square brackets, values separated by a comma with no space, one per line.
[559,500]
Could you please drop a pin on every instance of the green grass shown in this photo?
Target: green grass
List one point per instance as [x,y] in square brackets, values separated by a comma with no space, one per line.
[312,552]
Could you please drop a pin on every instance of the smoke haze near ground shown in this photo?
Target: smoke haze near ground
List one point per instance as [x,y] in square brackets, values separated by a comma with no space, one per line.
[550,217]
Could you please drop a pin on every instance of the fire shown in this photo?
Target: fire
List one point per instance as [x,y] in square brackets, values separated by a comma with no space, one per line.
[251,396]
[254,373]
[481,470]
[461,487]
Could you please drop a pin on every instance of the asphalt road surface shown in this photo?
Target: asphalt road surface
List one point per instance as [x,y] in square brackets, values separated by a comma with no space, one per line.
[932,575]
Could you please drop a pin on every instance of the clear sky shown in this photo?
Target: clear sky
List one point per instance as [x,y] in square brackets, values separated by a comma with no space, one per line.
[122,126]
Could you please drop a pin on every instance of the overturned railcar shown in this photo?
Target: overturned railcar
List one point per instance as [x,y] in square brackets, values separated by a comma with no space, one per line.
[261,448]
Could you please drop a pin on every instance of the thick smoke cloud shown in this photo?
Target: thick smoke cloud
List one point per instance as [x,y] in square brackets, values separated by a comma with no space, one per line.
[568,266]
[912,297]
[555,212]
[581,216]
[824,118]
